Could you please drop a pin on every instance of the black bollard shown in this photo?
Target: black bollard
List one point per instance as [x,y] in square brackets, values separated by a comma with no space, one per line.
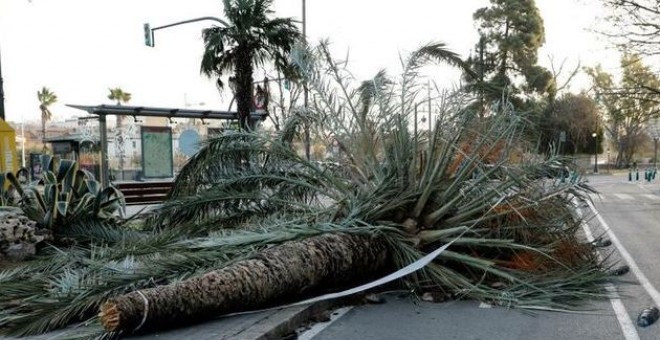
[623,270]
[647,317]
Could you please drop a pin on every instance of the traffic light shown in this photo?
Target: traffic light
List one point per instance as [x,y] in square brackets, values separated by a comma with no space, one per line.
[148,36]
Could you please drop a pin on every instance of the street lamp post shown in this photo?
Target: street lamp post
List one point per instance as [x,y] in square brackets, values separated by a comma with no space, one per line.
[655,153]
[608,160]
[595,135]
[654,132]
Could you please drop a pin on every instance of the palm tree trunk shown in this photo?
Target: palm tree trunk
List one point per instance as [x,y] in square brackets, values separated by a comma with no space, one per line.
[282,273]
[43,134]
[244,87]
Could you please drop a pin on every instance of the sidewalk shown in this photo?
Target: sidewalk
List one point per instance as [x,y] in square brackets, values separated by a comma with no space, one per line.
[267,325]
[134,209]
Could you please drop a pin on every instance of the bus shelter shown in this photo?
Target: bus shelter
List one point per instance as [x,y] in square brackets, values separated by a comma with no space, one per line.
[102,111]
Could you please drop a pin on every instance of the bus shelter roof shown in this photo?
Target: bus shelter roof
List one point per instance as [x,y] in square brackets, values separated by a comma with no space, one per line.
[144,111]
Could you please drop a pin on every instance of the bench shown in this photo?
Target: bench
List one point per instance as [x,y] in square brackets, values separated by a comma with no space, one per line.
[144,192]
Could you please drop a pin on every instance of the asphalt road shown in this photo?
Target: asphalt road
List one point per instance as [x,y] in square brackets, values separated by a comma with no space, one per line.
[630,210]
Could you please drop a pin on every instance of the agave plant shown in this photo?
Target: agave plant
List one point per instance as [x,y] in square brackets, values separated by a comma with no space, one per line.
[247,232]
[67,197]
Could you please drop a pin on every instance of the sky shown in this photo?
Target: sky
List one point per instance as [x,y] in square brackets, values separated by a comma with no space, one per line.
[81,48]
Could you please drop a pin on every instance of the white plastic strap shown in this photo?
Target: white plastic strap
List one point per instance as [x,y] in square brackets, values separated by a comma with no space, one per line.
[146,311]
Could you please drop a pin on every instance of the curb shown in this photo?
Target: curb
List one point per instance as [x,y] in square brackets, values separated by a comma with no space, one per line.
[265,325]
[286,321]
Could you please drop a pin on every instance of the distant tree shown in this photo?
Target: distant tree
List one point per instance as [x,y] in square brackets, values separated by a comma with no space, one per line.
[511,32]
[247,40]
[629,106]
[577,117]
[121,97]
[46,98]
[118,95]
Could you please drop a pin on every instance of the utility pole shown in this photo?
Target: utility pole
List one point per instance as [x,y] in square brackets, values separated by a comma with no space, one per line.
[2,94]
[482,108]
[655,153]
[305,90]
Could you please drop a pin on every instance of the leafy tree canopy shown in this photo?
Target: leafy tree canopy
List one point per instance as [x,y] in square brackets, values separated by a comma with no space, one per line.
[511,32]
[569,122]
[629,104]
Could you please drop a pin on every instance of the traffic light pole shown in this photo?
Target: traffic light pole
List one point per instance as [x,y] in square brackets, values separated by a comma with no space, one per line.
[149,32]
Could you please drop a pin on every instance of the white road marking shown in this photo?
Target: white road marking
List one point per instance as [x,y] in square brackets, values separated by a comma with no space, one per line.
[627,327]
[485,305]
[652,197]
[319,327]
[624,196]
[634,268]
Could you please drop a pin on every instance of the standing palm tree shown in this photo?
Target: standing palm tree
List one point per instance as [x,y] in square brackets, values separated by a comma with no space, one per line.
[120,96]
[247,40]
[46,99]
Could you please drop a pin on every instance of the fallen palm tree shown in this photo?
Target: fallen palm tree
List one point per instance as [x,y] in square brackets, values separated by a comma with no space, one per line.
[330,260]
[277,228]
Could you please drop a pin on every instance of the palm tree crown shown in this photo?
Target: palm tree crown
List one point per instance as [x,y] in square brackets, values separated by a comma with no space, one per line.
[119,95]
[46,98]
[247,40]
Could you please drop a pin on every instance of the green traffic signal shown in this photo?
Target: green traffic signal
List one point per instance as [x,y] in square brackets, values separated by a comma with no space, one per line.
[148,35]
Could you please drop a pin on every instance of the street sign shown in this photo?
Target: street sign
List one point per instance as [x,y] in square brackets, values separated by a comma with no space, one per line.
[189,142]
[260,99]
